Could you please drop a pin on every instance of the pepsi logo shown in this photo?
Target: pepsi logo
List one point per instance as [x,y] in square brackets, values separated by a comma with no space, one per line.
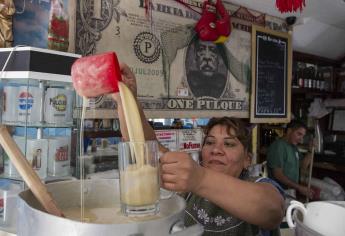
[26,100]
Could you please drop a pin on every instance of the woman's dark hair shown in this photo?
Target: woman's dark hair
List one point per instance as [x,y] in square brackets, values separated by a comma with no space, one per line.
[242,133]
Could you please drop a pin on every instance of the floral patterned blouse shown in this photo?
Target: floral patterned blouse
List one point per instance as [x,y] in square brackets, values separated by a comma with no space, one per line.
[217,221]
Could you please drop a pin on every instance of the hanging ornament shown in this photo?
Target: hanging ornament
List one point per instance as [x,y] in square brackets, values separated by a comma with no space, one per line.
[223,24]
[214,24]
[147,5]
[290,5]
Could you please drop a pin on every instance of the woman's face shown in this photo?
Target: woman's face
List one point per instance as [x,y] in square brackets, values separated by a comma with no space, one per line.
[223,152]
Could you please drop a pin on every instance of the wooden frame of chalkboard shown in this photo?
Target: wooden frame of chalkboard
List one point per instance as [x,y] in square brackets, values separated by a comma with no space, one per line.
[271,76]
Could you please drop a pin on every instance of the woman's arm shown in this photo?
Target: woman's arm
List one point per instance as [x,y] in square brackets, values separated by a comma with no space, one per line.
[257,203]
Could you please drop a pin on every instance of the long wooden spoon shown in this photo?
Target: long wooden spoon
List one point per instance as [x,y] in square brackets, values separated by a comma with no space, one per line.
[28,174]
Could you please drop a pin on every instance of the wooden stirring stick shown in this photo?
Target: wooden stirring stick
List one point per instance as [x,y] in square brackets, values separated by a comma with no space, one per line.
[310,171]
[28,174]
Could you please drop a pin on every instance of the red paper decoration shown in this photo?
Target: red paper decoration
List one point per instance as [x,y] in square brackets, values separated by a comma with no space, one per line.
[290,5]
[214,24]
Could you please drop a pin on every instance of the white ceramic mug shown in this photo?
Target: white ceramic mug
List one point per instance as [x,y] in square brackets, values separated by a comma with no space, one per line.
[58,106]
[325,218]
[10,107]
[29,104]
[59,156]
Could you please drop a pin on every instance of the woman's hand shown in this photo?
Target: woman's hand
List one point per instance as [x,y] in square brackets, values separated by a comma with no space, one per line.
[128,78]
[306,192]
[180,173]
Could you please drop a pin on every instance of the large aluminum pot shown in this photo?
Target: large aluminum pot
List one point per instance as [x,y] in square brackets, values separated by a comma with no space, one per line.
[317,218]
[98,193]
[301,229]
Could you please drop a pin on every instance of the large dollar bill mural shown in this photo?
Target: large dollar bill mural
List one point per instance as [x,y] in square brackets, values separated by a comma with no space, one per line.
[177,74]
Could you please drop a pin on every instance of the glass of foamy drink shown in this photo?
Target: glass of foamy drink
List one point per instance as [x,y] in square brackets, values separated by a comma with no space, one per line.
[139,178]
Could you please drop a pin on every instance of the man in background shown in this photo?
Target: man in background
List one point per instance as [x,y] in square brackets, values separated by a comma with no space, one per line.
[207,80]
[284,160]
[7,10]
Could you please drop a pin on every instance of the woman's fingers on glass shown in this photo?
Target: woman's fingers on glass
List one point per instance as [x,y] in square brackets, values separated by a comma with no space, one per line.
[169,186]
[170,168]
[168,178]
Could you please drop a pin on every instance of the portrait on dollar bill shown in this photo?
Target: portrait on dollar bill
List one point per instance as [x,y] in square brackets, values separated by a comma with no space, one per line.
[205,69]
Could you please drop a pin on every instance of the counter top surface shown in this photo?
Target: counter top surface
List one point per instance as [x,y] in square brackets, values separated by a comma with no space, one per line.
[336,159]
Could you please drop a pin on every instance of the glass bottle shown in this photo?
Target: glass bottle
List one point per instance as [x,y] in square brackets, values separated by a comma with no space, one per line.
[264,137]
[300,78]
[318,81]
[322,82]
[306,78]
[310,78]
[313,78]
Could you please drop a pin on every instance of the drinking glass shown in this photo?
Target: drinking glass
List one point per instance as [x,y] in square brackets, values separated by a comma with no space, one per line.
[139,178]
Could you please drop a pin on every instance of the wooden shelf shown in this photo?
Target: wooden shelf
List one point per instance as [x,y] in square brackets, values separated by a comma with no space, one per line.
[329,166]
[101,133]
[312,92]
[313,59]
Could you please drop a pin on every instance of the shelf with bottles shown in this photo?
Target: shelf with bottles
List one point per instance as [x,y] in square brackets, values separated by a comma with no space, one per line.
[315,76]
[310,93]
[312,78]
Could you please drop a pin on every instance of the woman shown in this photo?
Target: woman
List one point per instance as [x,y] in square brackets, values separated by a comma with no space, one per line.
[221,195]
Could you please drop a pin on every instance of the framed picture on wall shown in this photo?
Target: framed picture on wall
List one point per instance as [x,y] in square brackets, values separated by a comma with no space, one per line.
[326,74]
[340,80]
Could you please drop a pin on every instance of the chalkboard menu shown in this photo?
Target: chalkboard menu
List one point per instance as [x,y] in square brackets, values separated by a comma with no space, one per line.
[271,76]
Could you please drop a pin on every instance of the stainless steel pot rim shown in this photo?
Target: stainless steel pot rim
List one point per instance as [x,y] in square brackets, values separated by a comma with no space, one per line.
[79,222]
[175,198]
